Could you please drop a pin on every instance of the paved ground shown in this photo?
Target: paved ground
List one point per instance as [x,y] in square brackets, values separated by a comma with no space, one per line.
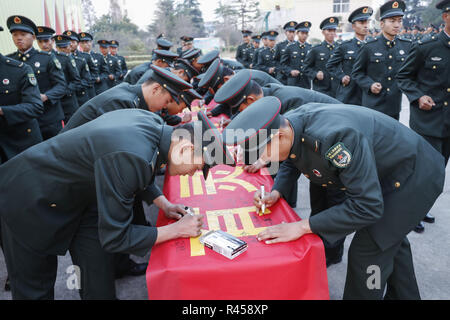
[430,250]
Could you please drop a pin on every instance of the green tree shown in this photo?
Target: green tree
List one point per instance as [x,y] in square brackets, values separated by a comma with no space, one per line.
[248,11]
[164,19]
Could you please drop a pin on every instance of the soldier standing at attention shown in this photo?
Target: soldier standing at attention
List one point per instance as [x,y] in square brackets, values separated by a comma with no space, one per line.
[241,52]
[69,102]
[280,48]
[317,58]
[86,47]
[292,61]
[252,51]
[341,63]
[82,67]
[48,72]
[424,78]
[103,70]
[117,63]
[266,57]
[121,60]
[379,60]
[104,50]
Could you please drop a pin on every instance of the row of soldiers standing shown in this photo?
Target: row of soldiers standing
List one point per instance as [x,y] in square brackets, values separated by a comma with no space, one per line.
[66,77]
[369,71]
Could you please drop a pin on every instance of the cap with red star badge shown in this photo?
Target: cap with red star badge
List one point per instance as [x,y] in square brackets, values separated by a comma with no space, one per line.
[303,26]
[72,35]
[290,26]
[360,14]
[21,23]
[392,9]
[329,23]
[44,33]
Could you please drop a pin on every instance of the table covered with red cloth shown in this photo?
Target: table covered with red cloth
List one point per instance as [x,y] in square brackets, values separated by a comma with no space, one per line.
[183,269]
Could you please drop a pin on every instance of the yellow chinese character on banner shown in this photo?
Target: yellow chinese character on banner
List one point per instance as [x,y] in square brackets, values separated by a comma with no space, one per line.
[212,217]
[219,180]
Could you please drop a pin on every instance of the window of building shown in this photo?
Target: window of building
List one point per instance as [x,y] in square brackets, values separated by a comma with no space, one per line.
[341,6]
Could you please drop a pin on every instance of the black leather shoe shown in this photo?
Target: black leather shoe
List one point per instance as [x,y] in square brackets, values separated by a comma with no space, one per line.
[330,262]
[420,228]
[7,285]
[429,218]
[138,269]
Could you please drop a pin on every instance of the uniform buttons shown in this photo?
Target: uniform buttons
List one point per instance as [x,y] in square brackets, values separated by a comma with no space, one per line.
[389,78]
[24,59]
[324,185]
[332,78]
[343,189]
[434,67]
[301,60]
[448,89]
[53,205]
[397,185]
[8,61]
[390,57]
[39,71]
[6,91]
[303,139]
[388,89]
[377,61]
[349,58]
[330,182]
[403,59]
[29,130]
[445,103]
[293,156]
[390,68]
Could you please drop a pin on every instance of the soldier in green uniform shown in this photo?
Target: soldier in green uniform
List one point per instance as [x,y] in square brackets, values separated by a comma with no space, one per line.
[340,65]
[266,57]
[111,159]
[151,96]
[103,72]
[280,48]
[241,52]
[259,49]
[48,72]
[424,78]
[317,58]
[112,62]
[293,59]
[121,60]
[388,189]
[82,93]
[379,60]
[69,102]
[256,39]
[86,53]
[20,107]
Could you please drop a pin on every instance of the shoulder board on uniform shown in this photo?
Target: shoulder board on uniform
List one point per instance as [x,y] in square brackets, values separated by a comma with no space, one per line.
[427,40]
[372,40]
[317,45]
[46,53]
[405,39]
[14,62]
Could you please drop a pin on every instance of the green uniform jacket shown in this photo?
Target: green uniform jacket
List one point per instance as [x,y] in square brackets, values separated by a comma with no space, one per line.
[103,72]
[106,161]
[241,54]
[114,69]
[21,104]
[136,74]
[85,78]
[379,61]
[123,68]
[341,65]
[316,61]
[69,102]
[293,58]
[51,82]
[391,175]
[280,49]
[426,71]
[93,70]
[266,60]
[294,97]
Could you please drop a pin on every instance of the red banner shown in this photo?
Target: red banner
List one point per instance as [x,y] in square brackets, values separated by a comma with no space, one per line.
[183,269]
